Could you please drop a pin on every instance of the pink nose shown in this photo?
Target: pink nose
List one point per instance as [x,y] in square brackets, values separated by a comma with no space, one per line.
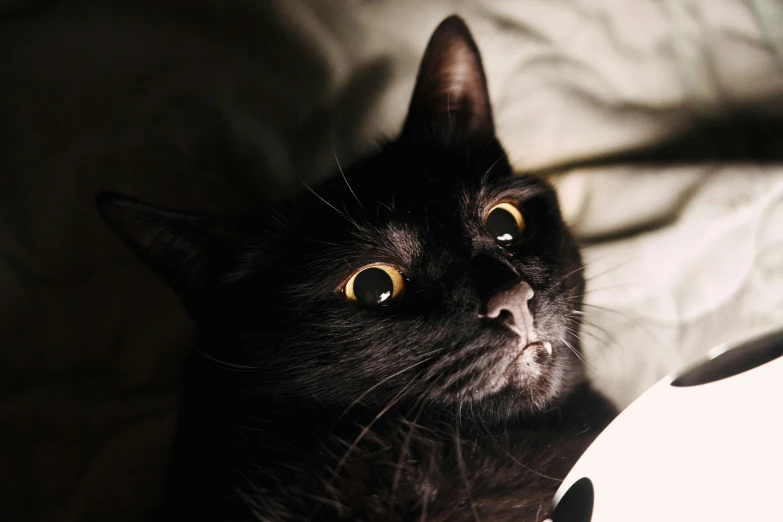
[513,303]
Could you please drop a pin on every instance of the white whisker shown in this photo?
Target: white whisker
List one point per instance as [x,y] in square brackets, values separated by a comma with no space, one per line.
[344,216]
[340,168]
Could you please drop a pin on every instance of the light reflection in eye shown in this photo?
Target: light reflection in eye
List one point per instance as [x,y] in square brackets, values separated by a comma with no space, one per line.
[375,285]
[505,223]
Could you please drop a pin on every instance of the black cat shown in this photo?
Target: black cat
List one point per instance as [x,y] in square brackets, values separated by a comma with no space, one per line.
[400,343]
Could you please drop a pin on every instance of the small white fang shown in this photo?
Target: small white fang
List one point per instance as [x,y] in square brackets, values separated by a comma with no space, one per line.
[548,347]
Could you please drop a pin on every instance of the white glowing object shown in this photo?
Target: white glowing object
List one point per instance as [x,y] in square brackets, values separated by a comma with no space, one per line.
[689,450]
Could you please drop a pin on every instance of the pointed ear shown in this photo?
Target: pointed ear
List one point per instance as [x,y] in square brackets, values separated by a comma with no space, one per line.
[193,254]
[450,100]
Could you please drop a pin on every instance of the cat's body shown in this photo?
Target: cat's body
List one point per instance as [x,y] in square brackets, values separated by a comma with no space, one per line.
[278,463]
[398,343]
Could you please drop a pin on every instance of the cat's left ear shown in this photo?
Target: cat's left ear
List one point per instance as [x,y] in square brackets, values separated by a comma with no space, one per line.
[194,254]
[450,100]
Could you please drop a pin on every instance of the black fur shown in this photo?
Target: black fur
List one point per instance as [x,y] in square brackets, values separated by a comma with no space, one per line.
[301,405]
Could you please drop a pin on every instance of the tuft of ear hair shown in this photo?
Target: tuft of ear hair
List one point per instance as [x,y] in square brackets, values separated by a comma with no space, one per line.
[450,100]
[190,252]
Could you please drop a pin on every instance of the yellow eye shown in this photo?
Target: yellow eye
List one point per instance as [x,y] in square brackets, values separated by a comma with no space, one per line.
[505,223]
[375,285]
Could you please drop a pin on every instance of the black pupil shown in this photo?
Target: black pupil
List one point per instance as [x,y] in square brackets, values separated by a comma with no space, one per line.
[502,225]
[373,287]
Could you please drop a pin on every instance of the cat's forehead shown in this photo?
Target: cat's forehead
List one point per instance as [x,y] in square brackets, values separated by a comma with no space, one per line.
[427,182]
[406,202]
[411,208]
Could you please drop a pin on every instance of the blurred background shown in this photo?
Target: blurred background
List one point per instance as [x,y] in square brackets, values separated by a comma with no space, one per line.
[659,121]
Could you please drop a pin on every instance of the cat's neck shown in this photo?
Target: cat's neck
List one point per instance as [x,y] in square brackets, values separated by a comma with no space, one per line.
[232,439]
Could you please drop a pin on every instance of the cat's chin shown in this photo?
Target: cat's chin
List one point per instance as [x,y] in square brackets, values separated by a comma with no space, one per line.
[524,379]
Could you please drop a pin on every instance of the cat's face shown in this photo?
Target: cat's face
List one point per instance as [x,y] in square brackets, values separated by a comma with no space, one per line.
[397,290]
[427,273]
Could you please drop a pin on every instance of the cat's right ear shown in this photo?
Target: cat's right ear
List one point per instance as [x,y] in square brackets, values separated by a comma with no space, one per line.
[194,254]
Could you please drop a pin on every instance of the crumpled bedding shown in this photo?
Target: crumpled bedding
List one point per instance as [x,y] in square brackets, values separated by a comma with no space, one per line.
[218,106]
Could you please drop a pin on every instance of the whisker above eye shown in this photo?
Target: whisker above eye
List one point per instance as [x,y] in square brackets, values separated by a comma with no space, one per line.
[494,163]
[321,242]
[228,365]
[341,214]
[340,168]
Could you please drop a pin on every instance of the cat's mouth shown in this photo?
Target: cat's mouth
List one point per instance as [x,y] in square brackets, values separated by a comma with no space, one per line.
[527,359]
[522,366]
[530,342]
[546,345]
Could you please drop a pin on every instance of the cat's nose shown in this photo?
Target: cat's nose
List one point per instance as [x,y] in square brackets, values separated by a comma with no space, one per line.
[512,302]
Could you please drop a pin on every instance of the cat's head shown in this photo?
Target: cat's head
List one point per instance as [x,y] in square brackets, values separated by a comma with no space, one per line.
[427,272]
